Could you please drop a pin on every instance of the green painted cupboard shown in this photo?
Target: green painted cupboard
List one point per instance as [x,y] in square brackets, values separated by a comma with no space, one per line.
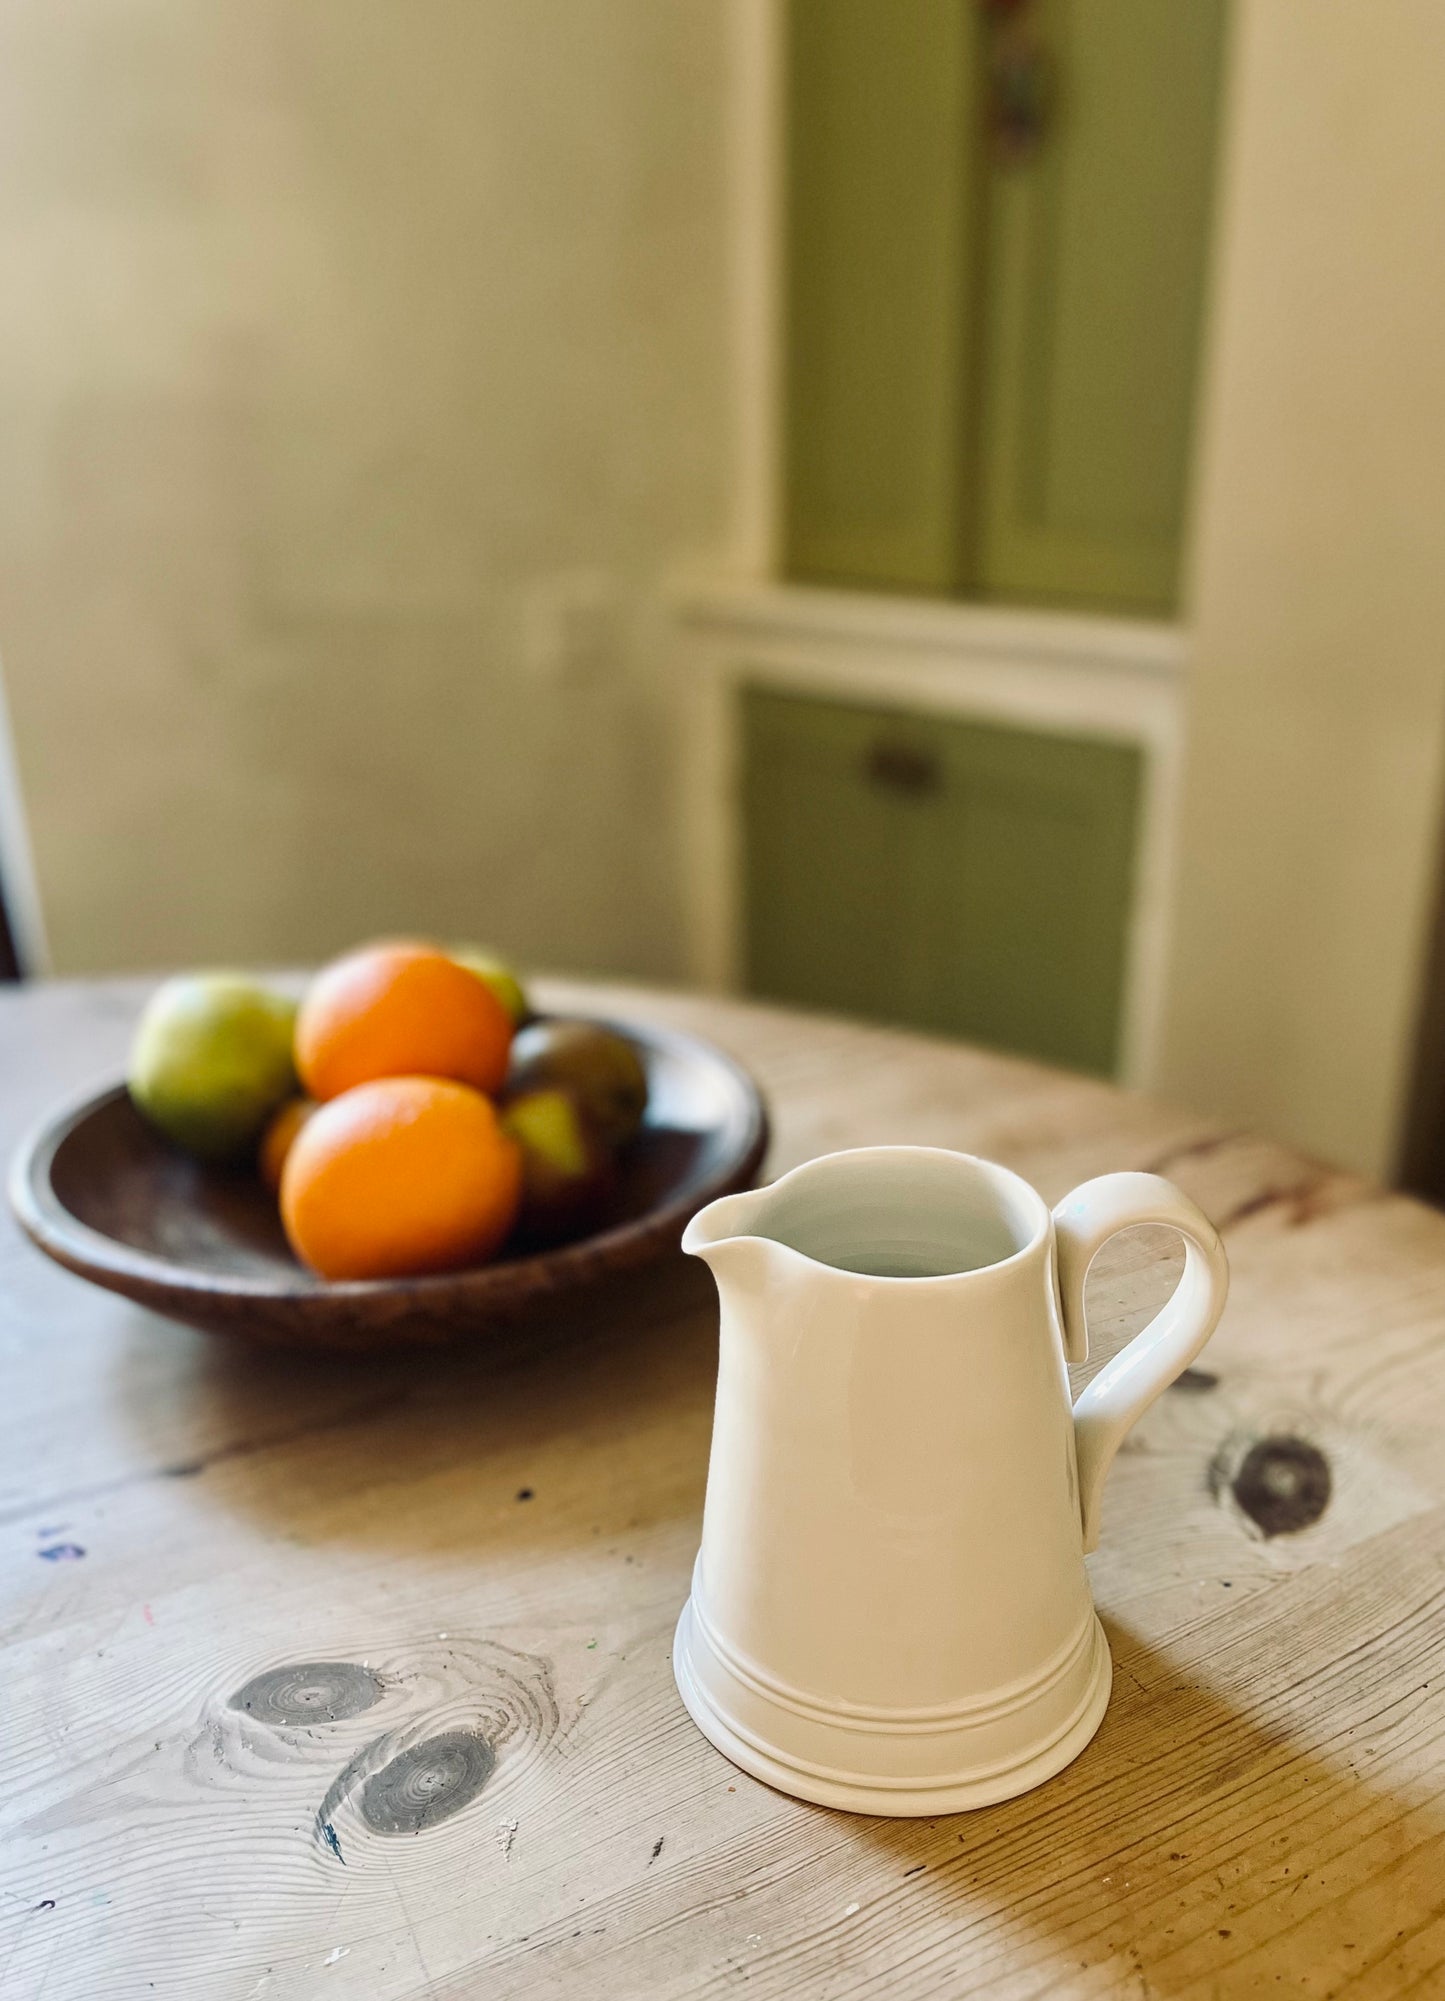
[997,237]
[951,875]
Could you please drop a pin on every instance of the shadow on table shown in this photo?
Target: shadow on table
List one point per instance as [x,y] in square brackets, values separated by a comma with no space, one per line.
[602,1406]
[1192,1848]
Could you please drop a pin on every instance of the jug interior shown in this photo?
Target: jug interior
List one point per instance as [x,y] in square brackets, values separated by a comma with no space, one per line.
[904,1212]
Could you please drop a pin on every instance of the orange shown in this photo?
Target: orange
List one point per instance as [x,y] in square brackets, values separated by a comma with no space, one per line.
[400,1010]
[276,1140]
[400,1176]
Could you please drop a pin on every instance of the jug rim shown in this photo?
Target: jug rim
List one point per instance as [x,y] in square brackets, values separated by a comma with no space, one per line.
[1023,1192]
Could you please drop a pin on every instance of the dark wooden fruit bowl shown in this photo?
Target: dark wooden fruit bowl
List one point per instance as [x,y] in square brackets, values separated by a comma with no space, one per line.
[104,1195]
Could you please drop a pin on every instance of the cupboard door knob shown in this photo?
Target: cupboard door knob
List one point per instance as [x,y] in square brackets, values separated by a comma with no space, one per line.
[1020,91]
[902,767]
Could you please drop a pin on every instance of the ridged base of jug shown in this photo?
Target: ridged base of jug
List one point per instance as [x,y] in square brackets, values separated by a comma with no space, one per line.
[906,1764]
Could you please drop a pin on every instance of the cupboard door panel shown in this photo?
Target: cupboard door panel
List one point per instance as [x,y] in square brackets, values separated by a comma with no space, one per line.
[1032,890]
[883,198]
[950,875]
[828,867]
[1093,299]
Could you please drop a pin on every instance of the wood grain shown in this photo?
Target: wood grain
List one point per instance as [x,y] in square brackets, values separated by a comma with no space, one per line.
[361,1683]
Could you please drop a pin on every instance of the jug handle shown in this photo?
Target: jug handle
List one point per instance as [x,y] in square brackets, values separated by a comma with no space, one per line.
[1127,1384]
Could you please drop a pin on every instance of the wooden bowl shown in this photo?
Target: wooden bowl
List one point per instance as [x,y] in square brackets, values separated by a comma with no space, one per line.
[104,1195]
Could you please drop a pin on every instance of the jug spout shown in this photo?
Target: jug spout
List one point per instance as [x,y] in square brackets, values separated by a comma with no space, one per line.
[723,1236]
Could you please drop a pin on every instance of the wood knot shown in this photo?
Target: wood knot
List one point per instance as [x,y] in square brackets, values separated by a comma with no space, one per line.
[428,1783]
[309,1692]
[466,1715]
[1282,1484]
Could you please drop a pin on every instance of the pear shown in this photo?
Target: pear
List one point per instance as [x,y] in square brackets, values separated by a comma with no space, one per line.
[567,1171]
[601,1069]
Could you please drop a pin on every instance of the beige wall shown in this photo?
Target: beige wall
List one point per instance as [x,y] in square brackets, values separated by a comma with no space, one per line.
[360,369]
[1313,803]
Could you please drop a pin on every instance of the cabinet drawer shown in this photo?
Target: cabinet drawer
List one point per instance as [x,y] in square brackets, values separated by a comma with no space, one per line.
[950,875]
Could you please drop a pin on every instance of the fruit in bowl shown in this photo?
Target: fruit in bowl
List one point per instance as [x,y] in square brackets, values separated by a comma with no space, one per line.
[403,1123]
[568,1169]
[399,1176]
[498,975]
[599,1069]
[211,1061]
[395,1011]
[279,1137]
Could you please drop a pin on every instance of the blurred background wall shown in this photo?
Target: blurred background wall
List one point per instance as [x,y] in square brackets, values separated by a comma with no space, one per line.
[361,368]
[1310,836]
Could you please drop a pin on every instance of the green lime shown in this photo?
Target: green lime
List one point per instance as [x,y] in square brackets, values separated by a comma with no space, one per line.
[212,1060]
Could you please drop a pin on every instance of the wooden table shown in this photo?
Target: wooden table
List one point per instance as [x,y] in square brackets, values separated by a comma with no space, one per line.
[261,1612]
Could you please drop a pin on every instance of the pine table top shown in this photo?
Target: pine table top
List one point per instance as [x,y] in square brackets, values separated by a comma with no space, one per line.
[352,1679]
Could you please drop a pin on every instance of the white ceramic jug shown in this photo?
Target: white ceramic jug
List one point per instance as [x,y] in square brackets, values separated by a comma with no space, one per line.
[890,1610]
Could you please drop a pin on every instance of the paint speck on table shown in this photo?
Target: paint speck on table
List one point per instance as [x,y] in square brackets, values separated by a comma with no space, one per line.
[590,1645]
[506,1835]
[147,1614]
[337,1952]
[328,1835]
[850,1910]
[524,1493]
[61,1552]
